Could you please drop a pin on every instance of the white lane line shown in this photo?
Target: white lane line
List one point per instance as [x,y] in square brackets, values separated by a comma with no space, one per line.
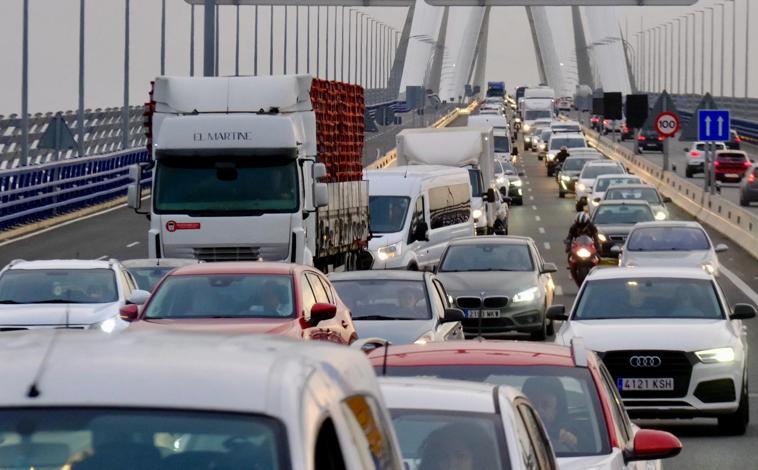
[531,198]
[132,244]
[541,230]
[753,395]
[102,257]
[546,245]
[529,189]
[558,290]
[750,293]
[537,218]
[534,208]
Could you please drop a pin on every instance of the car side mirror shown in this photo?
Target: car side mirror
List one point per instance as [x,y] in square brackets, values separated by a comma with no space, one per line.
[319,171]
[557,313]
[742,312]
[129,312]
[616,250]
[320,195]
[548,268]
[720,248]
[666,200]
[321,312]
[651,444]
[421,233]
[138,297]
[453,315]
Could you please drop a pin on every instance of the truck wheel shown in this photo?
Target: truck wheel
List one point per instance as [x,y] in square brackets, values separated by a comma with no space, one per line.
[413,267]
[736,423]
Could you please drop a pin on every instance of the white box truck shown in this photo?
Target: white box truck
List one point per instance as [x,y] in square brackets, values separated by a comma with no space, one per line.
[471,148]
[237,174]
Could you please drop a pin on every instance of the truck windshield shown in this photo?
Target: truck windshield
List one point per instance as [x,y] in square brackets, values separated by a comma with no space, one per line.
[212,186]
[387,213]
[535,114]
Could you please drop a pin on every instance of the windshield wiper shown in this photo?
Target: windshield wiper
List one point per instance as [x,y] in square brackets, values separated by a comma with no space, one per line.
[379,317]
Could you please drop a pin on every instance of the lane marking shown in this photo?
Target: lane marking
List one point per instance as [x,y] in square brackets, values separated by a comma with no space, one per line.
[541,230]
[534,208]
[102,257]
[750,293]
[546,245]
[529,189]
[132,244]
[558,290]
[531,198]
[537,218]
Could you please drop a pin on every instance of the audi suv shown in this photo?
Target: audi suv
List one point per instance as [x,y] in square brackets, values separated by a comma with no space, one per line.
[672,344]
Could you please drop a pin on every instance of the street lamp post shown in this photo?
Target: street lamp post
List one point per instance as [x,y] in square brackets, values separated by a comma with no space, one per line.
[710,63]
[236,44]
[342,42]
[747,48]
[297,39]
[125,111]
[734,48]
[723,46]
[326,49]
[679,55]
[687,53]
[80,111]
[271,41]
[163,37]
[702,51]
[318,40]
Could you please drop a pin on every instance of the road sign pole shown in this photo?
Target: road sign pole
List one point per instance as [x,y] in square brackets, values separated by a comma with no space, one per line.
[706,167]
[666,146]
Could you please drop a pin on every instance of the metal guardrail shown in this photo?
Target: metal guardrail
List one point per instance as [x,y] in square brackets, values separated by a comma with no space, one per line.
[31,194]
[102,135]
[724,216]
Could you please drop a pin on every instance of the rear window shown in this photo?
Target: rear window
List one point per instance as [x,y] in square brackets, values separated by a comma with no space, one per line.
[731,157]
[618,214]
[556,144]
[597,170]
[668,239]
[717,145]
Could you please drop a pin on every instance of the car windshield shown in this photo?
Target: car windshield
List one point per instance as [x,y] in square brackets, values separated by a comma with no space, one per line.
[620,214]
[438,440]
[508,168]
[212,187]
[58,286]
[576,164]
[384,299]
[387,213]
[628,298]
[546,134]
[534,114]
[668,239]
[487,257]
[593,171]
[223,296]
[502,144]
[562,129]
[105,438]
[570,143]
[147,278]
[634,194]
[565,398]
[603,183]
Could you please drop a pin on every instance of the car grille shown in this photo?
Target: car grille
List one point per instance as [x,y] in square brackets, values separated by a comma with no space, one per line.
[495,302]
[674,364]
[469,302]
[716,391]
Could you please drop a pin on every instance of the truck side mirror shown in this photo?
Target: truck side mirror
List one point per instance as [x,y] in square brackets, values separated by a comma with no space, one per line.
[319,171]
[134,189]
[320,195]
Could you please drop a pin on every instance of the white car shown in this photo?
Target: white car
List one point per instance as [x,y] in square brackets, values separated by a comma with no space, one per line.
[696,157]
[571,141]
[603,182]
[80,294]
[639,192]
[671,243]
[672,344]
[466,425]
[188,400]
[586,182]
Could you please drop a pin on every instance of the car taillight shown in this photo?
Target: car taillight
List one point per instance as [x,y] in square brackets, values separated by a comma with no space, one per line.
[660,138]
[694,154]
[595,119]
[716,163]
[605,121]
[747,164]
[642,138]
[751,178]
[737,139]
[626,129]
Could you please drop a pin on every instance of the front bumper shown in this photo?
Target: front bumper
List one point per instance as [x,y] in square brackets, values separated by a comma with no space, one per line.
[567,186]
[524,318]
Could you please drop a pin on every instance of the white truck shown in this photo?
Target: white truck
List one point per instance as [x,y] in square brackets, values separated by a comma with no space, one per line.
[237,174]
[471,148]
[539,104]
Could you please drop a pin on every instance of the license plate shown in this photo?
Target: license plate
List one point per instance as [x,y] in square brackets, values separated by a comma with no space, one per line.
[732,175]
[662,384]
[483,313]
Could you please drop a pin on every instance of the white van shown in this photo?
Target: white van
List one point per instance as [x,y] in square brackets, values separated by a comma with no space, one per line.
[415,211]
[72,399]
[500,131]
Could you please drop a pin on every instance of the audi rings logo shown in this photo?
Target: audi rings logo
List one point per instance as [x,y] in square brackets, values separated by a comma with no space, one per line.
[645,361]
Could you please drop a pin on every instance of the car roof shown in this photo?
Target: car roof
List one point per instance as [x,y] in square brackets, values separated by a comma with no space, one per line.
[474,352]
[622,176]
[568,135]
[631,186]
[604,163]
[414,171]
[237,267]
[166,369]
[670,223]
[654,272]
[623,202]
[62,264]
[437,394]
[155,262]
[490,239]
[377,274]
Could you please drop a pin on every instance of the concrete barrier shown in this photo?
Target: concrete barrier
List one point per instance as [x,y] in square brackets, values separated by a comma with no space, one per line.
[722,215]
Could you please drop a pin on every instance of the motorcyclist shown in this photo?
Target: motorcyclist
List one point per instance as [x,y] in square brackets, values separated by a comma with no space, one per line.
[582,226]
[561,156]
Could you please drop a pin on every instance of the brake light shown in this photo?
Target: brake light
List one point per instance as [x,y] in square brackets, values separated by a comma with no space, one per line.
[694,154]
[626,129]
[751,178]
[605,121]
[595,119]
[660,138]
[716,163]
[642,138]
[747,164]
[737,139]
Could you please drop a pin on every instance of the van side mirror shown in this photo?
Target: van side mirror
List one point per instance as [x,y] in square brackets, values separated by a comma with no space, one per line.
[322,312]
[320,195]
[549,268]
[421,233]
[138,297]
[720,248]
[666,200]
[134,189]
[616,250]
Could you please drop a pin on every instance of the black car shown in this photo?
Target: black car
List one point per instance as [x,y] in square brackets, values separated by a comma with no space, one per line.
[649,140]
[735,142]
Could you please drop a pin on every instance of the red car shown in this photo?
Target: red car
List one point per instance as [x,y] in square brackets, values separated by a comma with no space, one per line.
[247,297]
[570,387]
[731,165]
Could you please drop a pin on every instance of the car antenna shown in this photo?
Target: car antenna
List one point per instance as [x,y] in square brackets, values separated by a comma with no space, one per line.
[384,360]
[33,390]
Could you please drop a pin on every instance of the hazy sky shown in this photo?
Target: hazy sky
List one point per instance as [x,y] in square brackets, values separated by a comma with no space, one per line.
[54,46]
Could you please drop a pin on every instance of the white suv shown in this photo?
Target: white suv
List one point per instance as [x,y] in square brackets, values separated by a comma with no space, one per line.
[79,294]
[669,339]
[585,185]
[696,157]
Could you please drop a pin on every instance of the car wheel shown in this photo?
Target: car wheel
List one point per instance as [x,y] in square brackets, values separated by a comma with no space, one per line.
[736,423]
[561,194]
[500,228]
[541,334]
[743,200]
[413,267]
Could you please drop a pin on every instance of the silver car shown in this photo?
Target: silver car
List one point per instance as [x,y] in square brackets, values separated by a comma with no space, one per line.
[502,284]
[671,244]
[399,306]
[639,192]
[149,271]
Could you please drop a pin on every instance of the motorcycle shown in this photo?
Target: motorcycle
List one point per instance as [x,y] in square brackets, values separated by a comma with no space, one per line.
[583,257]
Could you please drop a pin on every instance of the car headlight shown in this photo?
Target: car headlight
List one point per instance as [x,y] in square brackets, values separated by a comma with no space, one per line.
[583,253]
[518,119]
[527,295]
[390,251]
[476,213]
[660,215]
[708,267]
[595,203]
[425,338]
[565,178]
[581,187]
[500,180]
[516,183]
[107,326]
[543,147]
[527,127]
[602,237]
[715,356]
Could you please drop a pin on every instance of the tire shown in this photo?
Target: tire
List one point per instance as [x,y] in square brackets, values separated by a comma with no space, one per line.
[581,273]
[743,200]
[541,334]
[500,228]
[413,267]
[519,201]
[561,194]
[688,173]
[736,423]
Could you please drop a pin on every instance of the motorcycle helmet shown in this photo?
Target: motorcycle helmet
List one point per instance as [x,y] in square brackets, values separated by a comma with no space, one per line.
[582,219]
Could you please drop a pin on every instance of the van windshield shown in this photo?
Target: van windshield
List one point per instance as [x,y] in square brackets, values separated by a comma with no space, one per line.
[534,114]
[208,186]
[387,213]
[502,144]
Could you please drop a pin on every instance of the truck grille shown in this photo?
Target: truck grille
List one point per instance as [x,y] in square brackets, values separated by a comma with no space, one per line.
[674,364]
[495,302]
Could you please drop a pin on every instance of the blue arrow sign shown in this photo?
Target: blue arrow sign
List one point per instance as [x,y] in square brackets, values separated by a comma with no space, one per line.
[713,125]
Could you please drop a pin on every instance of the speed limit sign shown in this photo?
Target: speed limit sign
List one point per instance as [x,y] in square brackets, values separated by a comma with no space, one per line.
[667,124]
